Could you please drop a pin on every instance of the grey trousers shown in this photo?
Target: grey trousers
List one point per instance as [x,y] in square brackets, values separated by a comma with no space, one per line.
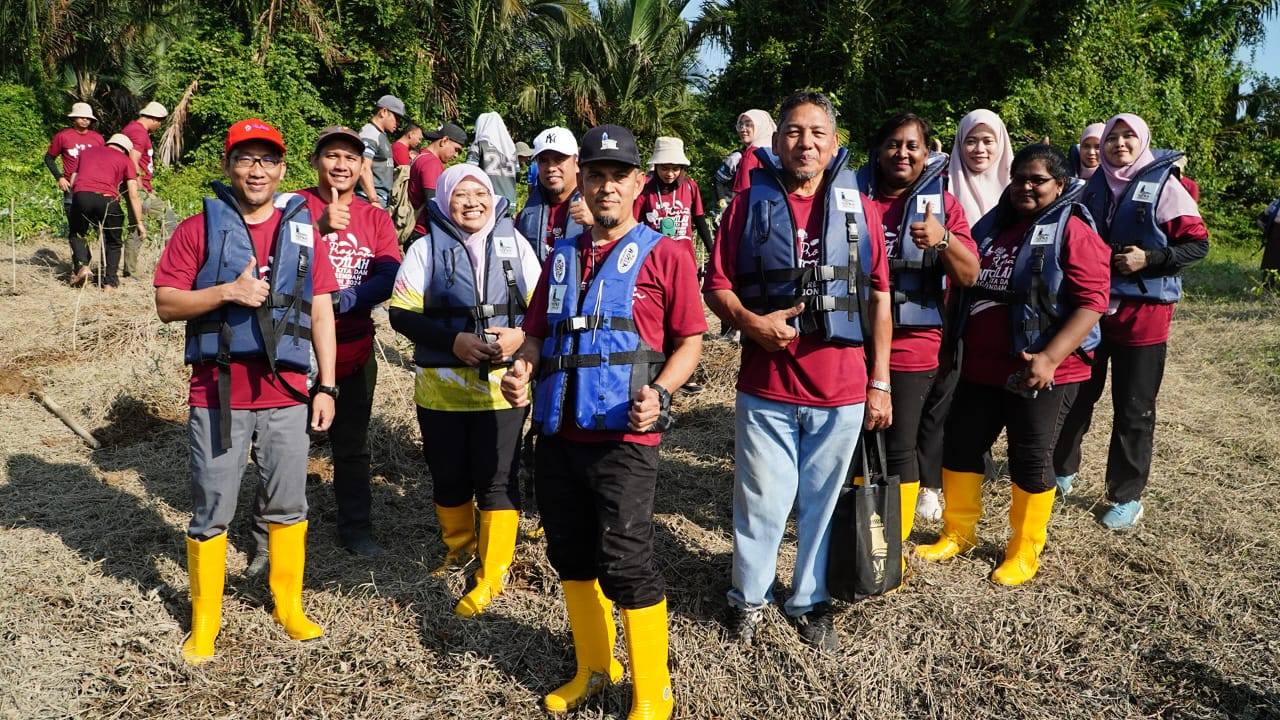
[279,437]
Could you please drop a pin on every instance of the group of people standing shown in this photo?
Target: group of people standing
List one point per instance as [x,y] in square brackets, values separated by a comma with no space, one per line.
[936,298]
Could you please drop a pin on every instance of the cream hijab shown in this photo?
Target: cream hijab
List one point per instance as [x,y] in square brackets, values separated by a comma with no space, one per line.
[978,193]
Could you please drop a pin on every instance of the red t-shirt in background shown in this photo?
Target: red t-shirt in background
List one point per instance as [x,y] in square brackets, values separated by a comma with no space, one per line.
[809,371]
[1140,324]
[370,239]
[988,345]
[1193,188]
[253,386]
[682,203]
[68,143]
[400,154]
[423,175]
[666,305]
[742,180]
[916,349]
[101,170]
[141,140]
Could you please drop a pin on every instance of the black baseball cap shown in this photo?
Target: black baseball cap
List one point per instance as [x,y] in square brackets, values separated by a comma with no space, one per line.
[612,143]
[448,130]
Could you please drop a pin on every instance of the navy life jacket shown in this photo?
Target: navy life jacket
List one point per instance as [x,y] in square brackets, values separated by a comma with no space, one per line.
[1036,307]
[768,273]
[916,276]
[593,352]
[532,221]
[451,296]
[278,330]
[1133,222]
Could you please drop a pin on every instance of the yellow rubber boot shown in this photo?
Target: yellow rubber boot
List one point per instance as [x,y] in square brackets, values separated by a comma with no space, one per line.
[287,553]
[458,530]
[908,494]
[1029,520]
[497,547]
[646,631]
[591,620]
[962,492]
[207,567]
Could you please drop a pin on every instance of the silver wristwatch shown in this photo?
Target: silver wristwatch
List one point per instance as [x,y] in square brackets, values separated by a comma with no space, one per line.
[881,385]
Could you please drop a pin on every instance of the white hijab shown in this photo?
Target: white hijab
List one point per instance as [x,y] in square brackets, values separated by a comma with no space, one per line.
[491,128]
[979,192]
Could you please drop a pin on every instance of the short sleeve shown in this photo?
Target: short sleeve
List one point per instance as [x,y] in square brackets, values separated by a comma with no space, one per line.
[411,280]
[182,256]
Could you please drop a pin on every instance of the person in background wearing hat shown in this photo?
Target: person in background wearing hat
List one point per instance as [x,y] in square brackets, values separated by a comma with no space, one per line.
[494,152]
[524,155]
[671,201]
[554,209]
[95,203]
[139,133]
[616,315]
[405,146]
[365,256]
[254,284]
[68,143]
[443,145]
[379,167]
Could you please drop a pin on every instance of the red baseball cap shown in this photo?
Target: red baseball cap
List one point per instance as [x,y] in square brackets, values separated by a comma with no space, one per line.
[252,129]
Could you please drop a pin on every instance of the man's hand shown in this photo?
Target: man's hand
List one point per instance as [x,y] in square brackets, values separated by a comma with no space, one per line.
[1130,260]
[580,213]
[64,184]
[1040,370]
[336,215]
[472,350]
[928,233]
[509,340]
[322,410]
[771,331]
[247,290]
[646,406]
[515,384]
[879,410]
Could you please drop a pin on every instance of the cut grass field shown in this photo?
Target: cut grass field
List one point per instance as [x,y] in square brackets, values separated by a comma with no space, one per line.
[1176,620]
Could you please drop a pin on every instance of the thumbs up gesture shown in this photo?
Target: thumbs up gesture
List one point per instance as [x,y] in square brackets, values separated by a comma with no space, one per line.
[928,233]
[248,289]
[515,383]
[773,331]
[336,215]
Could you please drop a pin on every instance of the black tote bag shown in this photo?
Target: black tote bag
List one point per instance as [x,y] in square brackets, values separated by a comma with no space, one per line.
[866,530]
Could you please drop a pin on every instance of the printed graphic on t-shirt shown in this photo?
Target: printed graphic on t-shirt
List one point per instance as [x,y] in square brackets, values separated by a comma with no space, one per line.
[996,275]
[349,258]
[810,252]
[672,208]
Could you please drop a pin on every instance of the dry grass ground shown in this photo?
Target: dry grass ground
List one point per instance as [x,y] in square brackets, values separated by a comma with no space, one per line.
[1178,620]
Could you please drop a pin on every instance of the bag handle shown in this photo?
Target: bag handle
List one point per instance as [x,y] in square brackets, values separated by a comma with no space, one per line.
[882,456]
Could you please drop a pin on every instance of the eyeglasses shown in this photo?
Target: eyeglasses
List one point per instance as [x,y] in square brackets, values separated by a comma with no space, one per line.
[268,162]
[1035,181]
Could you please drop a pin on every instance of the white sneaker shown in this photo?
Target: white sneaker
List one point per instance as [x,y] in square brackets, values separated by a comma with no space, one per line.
[929,505]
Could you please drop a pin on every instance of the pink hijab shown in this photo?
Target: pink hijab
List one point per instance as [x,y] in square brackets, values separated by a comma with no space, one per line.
[979,192]
[445,185]
[1174,201]
[1092,130]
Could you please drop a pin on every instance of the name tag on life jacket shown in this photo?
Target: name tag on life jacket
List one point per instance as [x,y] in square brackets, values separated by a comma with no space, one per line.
[847,200]
[555,298]
[505,247]
[1043,235]
[1146,192]
[301,234]
[924,201]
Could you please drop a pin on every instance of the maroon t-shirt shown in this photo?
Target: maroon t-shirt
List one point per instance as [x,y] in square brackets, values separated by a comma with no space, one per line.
[665,305]
[423,174]
[681,203]
[253,386]
[809,371]
[742,180]
[916,349]
[369,240]
[988,345]
[141,140]
[1140,324]
[101,170]
[400,154]
[557,220]
[68,143]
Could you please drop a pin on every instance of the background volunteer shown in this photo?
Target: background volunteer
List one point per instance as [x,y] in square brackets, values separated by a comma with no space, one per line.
[149,119]
[67,144]
[95,204]
[379,170]
[671,202]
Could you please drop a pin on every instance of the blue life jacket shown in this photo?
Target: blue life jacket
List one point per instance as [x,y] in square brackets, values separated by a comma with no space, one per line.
[768,275]
[1036,307]
[532,220]
[1133,222]
[916,276]
[593,358]
[451,296]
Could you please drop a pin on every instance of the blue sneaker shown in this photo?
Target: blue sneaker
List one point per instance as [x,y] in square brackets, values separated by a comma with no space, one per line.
[1123,516]
[1064,483]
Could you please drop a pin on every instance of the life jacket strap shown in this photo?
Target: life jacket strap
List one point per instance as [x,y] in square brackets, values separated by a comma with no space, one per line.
[582,323]
[470,312]
[630,357]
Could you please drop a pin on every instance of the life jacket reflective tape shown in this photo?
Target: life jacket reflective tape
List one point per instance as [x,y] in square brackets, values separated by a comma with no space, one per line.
[1132,221]
[532,221]
[769,274]
[916,277]
[593,359]
[278,330]
[1034,297]
[451,296]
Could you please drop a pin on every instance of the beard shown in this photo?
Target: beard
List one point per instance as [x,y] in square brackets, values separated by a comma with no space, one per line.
[804,176]
[608,223]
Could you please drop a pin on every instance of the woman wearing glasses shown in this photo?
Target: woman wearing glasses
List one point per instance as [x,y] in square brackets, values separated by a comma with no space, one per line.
[1028,326]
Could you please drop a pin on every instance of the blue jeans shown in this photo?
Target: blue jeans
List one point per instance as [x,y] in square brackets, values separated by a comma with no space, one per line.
[787,455]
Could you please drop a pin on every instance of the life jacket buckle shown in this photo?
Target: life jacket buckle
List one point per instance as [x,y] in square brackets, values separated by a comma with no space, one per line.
[577,323]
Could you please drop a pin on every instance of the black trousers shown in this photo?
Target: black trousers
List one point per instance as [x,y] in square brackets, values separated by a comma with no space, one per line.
[980,412]
[1136,374]
[473,454]
[902,440]
[933,422]
[596,501]
[90,211]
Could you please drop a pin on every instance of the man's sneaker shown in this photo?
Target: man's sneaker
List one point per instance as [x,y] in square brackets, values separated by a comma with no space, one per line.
[816,629]
[743,624]
[1123,516]
[364,546]
[1064,483]
[258,564]
[691,388]
[929,505]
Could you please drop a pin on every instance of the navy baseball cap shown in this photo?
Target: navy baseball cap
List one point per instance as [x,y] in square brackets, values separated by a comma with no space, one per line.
[612,143]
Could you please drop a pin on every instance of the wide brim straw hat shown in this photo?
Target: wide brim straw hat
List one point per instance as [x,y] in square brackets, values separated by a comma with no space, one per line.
[82,110]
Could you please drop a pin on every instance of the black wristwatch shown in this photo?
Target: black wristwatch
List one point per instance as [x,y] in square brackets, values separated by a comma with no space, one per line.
[664,420]
[329,390]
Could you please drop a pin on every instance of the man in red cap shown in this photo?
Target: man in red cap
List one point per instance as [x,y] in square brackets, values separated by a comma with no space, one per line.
[254,284]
